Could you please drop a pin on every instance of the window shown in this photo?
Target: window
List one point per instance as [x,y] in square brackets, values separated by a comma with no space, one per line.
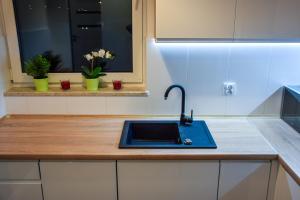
[65,30]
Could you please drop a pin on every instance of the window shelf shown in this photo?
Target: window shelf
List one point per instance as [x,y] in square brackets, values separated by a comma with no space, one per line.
[78,91]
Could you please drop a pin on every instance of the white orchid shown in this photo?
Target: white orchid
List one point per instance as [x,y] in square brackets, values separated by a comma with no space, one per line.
[95,54]
[89,57]
[108,55]
[98,60]
[101,53]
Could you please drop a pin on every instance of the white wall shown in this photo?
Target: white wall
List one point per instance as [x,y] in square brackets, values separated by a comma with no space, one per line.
[4,75]
[259,70]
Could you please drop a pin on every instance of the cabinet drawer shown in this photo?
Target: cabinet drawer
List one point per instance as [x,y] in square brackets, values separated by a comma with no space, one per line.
[19,170]
[21,190]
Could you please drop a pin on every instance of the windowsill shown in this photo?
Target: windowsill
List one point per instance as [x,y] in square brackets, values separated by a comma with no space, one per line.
[133,91]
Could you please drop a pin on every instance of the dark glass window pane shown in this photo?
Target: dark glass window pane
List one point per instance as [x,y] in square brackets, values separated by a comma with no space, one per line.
[65,30]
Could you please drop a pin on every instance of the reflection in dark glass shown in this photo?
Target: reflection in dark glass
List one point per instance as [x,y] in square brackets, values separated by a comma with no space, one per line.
[291,108]
[65,30]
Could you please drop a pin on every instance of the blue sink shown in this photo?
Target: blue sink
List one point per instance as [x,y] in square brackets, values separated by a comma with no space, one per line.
[166,134]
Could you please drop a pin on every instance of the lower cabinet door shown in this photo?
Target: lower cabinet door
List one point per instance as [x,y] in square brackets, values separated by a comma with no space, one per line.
[244,180]
[168,180]
[286,187]
[13,190]
[86,180]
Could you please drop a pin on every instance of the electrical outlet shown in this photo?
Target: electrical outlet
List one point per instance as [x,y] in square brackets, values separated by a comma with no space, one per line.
[229,88]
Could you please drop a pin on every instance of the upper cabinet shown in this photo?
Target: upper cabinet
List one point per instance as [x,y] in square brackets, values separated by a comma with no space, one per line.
[195,19]
[239,20]
[254,19]
[267,20]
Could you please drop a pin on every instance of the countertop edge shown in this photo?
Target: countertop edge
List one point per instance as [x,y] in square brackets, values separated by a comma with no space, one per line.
[276,132]
[289,170]
[141,157]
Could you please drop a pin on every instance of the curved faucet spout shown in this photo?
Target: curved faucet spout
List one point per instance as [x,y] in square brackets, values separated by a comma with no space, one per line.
[183,119]
[182,96]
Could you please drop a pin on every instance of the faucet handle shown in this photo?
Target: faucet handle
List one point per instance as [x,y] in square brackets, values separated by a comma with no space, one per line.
[186,120]
[189,120]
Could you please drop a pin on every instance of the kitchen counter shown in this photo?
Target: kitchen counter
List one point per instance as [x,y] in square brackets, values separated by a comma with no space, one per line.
[90,137]
[285,140]
[97,138]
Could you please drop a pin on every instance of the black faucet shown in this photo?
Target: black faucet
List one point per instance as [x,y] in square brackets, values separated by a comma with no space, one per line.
[184,120]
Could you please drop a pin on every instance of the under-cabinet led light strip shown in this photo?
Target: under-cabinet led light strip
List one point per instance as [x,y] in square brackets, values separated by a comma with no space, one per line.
[229,44]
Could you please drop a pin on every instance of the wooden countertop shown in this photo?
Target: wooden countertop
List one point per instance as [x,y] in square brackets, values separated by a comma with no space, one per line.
[91,137]
[285,140]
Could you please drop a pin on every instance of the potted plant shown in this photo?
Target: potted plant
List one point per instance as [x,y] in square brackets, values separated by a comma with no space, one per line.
[98,60]
[38,68]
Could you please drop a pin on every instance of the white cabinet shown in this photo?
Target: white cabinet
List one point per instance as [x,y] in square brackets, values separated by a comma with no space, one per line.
[195,19]
[19,170]
[250,20]
[286,187]
[168,180]
[20,180]
[86,180]
[267,20]
[247,180]
[254,19]
[286,24]
[21,190]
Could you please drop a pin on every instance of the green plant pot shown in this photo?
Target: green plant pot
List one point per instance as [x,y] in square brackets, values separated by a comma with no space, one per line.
[92,84]
[41,85]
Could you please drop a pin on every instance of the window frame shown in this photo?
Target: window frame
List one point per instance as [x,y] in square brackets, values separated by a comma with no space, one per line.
[135,77]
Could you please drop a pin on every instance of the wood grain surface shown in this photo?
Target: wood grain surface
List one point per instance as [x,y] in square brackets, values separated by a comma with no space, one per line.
[97,137]
[285,140]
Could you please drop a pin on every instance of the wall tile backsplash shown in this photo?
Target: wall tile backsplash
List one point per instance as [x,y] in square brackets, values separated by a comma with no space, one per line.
[208,68]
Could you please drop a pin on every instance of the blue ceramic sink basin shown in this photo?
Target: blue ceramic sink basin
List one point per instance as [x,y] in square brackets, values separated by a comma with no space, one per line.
[166,134]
